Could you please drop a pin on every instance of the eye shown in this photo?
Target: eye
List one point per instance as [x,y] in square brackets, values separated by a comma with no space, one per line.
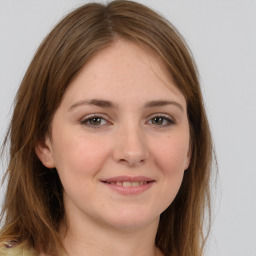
[161,120]
[94,121]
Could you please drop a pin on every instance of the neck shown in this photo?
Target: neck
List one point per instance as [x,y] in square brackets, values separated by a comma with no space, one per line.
[100,240]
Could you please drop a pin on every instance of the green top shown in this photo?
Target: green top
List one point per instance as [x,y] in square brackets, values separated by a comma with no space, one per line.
[7,249]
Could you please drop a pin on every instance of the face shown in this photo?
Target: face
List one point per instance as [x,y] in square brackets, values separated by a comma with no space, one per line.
[119,139]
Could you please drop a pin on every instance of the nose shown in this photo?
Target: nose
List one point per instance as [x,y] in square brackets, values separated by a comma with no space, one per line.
[131,147]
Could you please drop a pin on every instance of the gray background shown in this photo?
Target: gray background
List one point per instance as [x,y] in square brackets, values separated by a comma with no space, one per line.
[222,36]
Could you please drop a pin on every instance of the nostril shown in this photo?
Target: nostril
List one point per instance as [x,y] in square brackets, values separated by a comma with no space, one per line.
[132,161]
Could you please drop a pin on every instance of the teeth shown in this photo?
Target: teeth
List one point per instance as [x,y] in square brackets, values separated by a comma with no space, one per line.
[135,184]
[128,184]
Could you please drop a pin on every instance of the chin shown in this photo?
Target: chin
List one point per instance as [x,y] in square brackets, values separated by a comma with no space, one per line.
[135,220]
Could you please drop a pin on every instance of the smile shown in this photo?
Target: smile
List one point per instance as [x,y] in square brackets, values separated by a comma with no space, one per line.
[126,185]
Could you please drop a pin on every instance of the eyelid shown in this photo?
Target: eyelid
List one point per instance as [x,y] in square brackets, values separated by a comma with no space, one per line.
[101,115]
[167,117]
[86,118]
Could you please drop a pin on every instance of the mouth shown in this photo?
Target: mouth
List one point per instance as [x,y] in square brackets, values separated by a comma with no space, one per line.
[129,185]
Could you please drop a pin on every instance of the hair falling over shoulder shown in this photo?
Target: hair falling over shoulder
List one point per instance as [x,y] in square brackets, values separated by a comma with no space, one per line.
[33,207]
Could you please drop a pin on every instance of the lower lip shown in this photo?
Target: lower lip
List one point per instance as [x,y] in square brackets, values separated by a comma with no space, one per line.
[129,190]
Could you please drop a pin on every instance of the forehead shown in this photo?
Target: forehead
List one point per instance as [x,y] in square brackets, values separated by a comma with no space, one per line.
[122,69]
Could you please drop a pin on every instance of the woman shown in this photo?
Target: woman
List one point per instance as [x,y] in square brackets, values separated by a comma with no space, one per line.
[110,148]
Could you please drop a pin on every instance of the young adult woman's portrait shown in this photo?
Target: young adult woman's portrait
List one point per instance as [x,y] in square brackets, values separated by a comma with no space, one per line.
[110,150]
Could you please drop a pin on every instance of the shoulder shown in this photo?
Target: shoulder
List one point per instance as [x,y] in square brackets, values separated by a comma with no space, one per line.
[13,249]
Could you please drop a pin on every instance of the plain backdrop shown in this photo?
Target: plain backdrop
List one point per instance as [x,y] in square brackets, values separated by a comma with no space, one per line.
[222,36]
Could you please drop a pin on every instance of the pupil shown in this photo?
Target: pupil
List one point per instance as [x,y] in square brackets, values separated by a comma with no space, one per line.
[158,120]
[95,121]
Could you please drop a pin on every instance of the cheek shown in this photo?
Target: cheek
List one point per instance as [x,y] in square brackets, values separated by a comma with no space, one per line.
[78,156]
[171,158]
[172,154]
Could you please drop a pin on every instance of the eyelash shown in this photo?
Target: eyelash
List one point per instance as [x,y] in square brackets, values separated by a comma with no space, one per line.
[166,118]
[169,121]
[90,118]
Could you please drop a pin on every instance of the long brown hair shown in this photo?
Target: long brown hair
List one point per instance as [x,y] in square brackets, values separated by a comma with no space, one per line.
[33,206]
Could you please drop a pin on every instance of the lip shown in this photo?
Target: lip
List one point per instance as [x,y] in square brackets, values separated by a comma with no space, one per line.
[147,184]
[128,178]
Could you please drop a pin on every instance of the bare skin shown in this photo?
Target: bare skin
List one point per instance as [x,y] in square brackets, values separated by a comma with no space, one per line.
[122,116]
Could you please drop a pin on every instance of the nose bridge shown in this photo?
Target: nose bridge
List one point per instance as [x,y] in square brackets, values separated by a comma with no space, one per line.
[131,146]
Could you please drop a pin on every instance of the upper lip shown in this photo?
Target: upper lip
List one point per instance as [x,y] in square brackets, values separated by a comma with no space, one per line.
[128,178]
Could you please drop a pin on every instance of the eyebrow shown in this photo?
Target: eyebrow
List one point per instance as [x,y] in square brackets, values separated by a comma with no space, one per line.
[108,104]
[94,102]
[161,103]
